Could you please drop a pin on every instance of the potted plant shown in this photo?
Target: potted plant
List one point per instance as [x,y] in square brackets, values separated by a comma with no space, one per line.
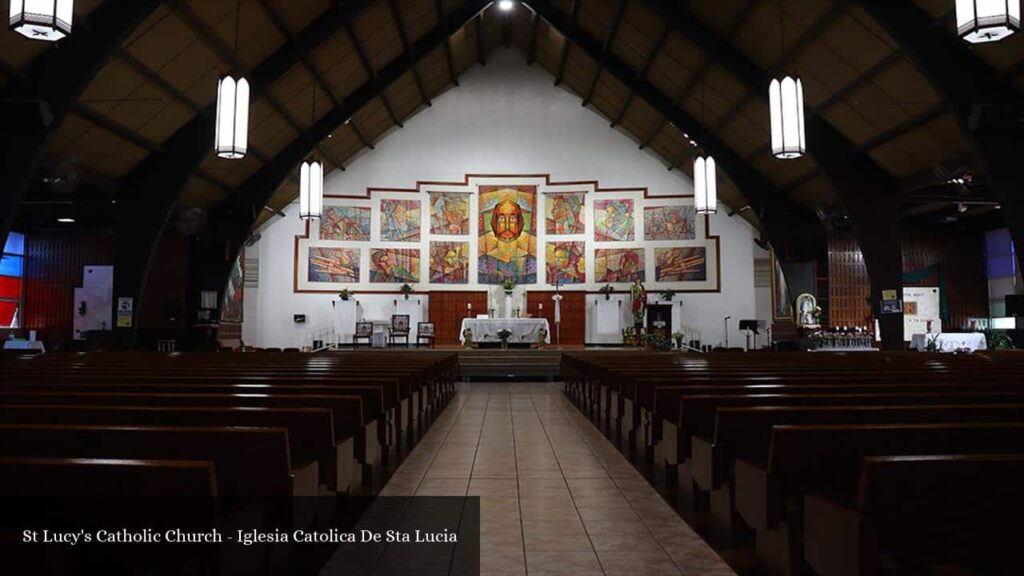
[656,342]
[679,336]
[345,294]
[667,295]
[406,290]
[607,291]
[999,341]
[504,334]
[508,285]
[933,344]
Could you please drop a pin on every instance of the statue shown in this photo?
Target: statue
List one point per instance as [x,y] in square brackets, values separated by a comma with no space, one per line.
[542,336]
[638,304]
[807,311]
[467,338]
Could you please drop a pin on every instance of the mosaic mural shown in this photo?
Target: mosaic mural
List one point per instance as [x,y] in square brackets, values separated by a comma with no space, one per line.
[231,306]
[566,262]
[449,262]
[449,213]
[670,223]
[613,220]
[394,265]
[680,264]
[400,220]
[507,245]
[345,223]
[333,265]
[563,213]
[619,264]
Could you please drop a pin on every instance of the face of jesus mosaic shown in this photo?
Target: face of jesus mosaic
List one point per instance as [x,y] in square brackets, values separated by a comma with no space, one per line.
[507,221]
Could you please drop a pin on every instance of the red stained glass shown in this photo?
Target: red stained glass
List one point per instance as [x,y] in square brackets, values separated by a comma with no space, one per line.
[7,310]
[10,287]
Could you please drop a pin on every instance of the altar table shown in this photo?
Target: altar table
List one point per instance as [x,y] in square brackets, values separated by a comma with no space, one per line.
[33,346]
[522,329]
[950,341]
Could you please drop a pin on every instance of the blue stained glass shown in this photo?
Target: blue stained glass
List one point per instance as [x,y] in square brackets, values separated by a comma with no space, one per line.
[11,266]
[15,243]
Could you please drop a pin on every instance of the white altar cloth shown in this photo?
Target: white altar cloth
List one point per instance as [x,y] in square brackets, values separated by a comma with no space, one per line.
[950,341]
[522,329]
[26,345]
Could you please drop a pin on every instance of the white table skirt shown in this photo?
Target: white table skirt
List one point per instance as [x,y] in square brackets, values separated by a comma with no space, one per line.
[950,341]
[522,329]
[30,345]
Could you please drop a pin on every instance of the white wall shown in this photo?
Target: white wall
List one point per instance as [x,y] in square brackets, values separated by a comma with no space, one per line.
[505,118]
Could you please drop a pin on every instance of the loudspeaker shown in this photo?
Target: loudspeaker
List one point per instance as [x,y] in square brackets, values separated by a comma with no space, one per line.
[299,318]
[1015,305]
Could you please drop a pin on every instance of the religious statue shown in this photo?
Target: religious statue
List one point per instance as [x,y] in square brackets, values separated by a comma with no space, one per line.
[542,336]
[467,338]
[638,303]
[807,311]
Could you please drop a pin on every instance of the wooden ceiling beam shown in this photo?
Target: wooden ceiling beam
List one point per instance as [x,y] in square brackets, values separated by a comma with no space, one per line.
[642,73]
[616,21]
[701,72]
[573,15]
[449,60]
[225,53]
[289,41]
[782,218]
[368,68]
[396,15]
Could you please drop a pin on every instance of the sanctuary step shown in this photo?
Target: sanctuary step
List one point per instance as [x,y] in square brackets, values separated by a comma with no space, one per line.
[509,363]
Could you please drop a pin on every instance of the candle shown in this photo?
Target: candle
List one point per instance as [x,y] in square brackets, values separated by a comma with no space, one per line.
[541,305]
[469,305]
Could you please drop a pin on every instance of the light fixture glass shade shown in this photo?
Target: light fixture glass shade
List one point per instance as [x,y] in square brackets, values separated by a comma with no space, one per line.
[705,185]
[980,21]
[786,98]
[232,139]
[48,20]
[506,5]
[311,190]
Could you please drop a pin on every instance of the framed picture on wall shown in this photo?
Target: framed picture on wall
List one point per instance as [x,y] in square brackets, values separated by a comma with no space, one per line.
[782,303]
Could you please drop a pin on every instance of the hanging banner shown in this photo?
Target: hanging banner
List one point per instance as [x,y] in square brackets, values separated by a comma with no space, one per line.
[125,308]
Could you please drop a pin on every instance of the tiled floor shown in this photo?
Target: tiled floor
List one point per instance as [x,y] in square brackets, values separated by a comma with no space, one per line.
[556,496]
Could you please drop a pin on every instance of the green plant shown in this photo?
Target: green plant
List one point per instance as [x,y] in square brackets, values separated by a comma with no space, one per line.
[667,295]
[508,285]
[679,336]
[345,294]
[406,289]
[607,291]
[933,344]
[999,341]
[504,334]
[657,341]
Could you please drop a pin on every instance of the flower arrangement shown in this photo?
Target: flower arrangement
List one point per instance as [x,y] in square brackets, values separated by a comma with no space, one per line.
[933,344]
[629,336]
[345,294]
[607,291]
[406,290]
[679,336]
[657,342]
[508,285]
[668,295]
[504,334]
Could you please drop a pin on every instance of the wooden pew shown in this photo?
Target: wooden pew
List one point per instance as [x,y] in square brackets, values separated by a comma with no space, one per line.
[921,511]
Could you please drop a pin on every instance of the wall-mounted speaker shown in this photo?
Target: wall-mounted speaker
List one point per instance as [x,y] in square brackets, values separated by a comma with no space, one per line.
[299,318]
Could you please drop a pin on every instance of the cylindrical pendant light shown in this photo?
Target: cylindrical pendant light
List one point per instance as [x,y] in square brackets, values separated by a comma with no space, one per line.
[48,20]
[311,190]
[979,21]
[786,98]
[705,185]
[232,140]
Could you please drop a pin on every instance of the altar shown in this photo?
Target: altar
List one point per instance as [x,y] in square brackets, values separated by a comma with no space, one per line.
[949,341]
[522,329]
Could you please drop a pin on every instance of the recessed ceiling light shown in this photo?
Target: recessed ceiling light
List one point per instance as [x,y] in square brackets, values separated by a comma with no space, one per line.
[506,5]
[66,220]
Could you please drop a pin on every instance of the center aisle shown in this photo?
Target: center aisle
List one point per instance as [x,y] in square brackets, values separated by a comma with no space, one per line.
[556,497]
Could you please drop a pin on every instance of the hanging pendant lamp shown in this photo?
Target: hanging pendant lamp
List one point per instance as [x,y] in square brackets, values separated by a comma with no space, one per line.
[311,190]
[48,20]
[786,103]
[705,185]
[979,21]
[231,140]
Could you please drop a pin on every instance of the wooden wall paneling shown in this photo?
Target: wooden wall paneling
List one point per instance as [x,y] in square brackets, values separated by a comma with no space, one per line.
[447,309]
[573,310]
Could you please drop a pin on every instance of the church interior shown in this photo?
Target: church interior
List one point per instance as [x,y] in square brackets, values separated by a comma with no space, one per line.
[681,287]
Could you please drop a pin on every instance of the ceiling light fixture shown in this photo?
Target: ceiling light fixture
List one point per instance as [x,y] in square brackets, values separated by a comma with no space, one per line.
[786,99]
[66,220]
[705,175]
[506,5]
[232,135]
[311,182]
[979,21]
[48,20]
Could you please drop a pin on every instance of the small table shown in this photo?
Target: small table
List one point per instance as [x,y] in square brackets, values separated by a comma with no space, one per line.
[522,329]
[950,341]
[34,346]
